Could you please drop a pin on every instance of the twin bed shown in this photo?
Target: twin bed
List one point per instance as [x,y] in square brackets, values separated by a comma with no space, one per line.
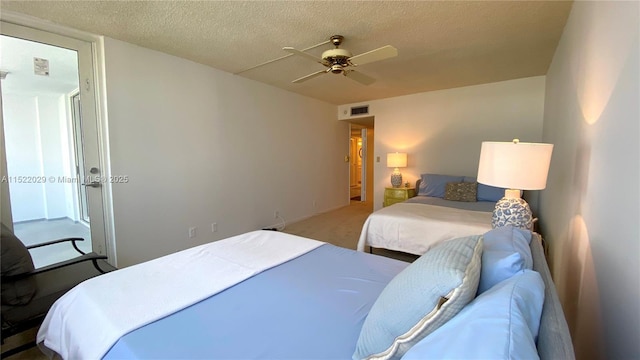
[433,216]
[263,295]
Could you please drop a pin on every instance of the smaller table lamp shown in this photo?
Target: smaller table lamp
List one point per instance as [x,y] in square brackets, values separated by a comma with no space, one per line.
[396,160]
[515,166]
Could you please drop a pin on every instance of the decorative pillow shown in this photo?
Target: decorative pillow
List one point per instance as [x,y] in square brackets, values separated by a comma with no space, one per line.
[506,252]
[15,260]
[510,238]
[462,191]
[421,298]
[502,323]
[434,184]
[489,193]
[498,266]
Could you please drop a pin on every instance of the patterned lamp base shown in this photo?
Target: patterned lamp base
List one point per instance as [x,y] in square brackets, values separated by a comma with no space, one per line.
[512,211]
[396,180]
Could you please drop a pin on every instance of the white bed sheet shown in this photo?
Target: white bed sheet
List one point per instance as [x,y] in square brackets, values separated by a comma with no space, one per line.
[152,290]
[414,228]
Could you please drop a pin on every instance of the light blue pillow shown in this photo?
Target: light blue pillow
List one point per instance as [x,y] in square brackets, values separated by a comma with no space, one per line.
[506,252]
[421,298]
[502,323]
[498,266]
[510,238]
[435,184]
[489,193]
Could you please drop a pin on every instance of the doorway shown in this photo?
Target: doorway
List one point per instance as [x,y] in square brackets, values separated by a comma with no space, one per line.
[361,154]
[50,137]
[357,164]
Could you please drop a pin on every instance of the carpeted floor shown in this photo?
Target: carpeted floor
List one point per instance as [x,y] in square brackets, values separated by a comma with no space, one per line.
[340,227]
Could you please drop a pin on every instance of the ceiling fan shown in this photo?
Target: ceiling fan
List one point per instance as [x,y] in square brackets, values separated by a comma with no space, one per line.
[340,61]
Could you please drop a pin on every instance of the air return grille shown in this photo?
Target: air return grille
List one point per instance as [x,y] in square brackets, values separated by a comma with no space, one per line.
[360,110]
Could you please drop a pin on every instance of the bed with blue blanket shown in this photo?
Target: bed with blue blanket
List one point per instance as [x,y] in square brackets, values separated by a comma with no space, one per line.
[270,295]
[446,207]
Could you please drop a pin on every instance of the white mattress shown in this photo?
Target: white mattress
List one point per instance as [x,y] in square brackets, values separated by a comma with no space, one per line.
[414,228]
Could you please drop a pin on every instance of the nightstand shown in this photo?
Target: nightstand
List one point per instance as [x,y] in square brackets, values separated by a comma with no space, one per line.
[395,195]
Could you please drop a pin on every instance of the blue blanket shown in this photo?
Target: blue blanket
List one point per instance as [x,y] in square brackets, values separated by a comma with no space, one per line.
[310,307]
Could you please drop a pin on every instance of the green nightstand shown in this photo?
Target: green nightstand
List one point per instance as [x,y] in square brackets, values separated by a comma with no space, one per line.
[395,195]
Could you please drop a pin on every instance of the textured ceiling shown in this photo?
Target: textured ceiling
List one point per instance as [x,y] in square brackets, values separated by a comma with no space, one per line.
[440,44]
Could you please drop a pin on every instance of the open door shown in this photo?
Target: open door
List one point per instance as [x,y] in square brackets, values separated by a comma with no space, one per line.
[50,140]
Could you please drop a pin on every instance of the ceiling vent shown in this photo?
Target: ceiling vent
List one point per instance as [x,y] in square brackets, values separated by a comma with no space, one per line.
[360,110]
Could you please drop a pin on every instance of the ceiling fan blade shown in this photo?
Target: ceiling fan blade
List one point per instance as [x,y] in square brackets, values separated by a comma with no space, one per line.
[304,54]
[310,76]
[359,77]
[378,54]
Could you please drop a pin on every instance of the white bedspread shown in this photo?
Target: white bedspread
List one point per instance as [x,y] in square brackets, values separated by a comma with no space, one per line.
[89,319]
[414,228]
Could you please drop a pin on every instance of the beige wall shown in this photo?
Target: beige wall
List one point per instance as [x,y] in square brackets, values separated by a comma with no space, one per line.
[442,131]
[201,146]
[590,209]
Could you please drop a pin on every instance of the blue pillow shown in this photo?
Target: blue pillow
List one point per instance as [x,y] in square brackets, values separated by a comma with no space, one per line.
[502,323]
[498,266]
[506,252]
[435,184]
[421,298]
[469,179]
[510,238]
[489,193]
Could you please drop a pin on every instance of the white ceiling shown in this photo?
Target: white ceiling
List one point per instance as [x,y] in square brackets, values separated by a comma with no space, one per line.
[17,58]
[441,44]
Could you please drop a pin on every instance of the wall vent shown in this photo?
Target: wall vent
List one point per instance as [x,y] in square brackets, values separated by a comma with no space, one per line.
[360,110]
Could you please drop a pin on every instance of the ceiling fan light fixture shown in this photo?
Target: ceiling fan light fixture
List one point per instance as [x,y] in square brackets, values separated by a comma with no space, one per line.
[333,54]
[341,61]
[337,69]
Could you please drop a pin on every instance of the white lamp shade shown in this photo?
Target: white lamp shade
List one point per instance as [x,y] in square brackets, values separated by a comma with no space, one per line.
[514,165]
[397,160]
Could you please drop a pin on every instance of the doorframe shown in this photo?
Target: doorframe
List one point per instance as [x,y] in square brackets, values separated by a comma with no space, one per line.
[368,123]
[76,134]
[99,84]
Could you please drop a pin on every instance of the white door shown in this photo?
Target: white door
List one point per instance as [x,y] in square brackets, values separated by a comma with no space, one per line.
[38,106]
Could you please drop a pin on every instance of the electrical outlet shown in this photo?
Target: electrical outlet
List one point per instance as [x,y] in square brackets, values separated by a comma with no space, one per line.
[214,227]
[276,214]
[192,232]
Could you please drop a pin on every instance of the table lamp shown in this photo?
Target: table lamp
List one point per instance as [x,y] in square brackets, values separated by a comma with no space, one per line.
[515,166]
[396,160]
